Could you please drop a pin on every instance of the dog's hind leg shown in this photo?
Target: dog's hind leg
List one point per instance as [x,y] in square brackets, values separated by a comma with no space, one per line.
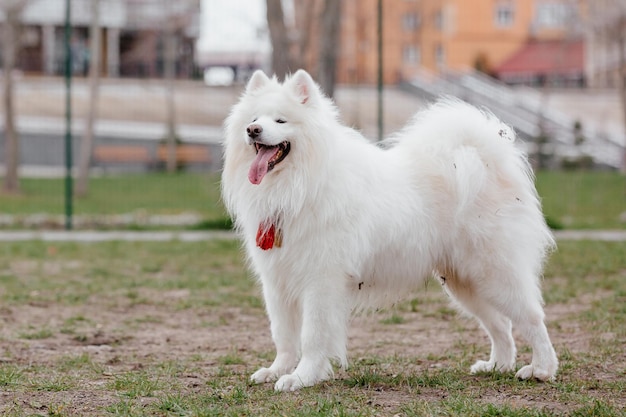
[514,298]
[285,326]
[518,296]
[496,324]
[529,320]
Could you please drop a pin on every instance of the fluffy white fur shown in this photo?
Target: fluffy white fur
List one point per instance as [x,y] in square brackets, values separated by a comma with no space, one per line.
[362,225]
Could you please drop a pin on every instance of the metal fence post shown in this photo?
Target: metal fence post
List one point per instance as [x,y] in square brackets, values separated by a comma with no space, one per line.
[68,119]
[379,26]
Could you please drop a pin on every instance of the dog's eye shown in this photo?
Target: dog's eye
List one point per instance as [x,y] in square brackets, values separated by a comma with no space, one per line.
[281,121]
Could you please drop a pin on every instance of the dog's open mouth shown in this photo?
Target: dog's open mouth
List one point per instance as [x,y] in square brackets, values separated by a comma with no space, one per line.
[267,157]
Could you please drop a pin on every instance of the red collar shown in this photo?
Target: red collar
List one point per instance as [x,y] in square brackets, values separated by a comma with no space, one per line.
[267,236]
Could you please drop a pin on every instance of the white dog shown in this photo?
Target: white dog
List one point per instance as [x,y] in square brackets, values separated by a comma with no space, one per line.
[333,223]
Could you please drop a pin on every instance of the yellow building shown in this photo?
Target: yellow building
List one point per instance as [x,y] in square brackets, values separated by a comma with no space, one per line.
[442,35]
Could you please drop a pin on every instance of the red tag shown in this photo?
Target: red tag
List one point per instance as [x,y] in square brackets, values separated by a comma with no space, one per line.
[265,236]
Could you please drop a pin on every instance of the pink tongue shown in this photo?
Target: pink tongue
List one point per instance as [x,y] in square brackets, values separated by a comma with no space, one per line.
[260,165]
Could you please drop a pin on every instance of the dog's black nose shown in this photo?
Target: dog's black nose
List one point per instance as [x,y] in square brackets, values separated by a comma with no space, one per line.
[254,130]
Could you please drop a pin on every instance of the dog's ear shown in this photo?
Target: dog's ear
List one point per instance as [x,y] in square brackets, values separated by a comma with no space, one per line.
[258,80]
[304,86]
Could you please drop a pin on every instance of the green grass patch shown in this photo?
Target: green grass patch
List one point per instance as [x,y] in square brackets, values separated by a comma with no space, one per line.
[136,385]
[79,363]
[10,375]
[231,359]
[582,199]
[571,199]
[34,334]
[53,382]
[73,273]
[394,318]
[135,195]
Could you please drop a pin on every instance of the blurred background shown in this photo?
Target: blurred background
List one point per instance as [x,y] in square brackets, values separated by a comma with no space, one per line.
[112,110]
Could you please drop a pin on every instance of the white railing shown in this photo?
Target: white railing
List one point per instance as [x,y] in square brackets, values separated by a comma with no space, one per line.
[524,113]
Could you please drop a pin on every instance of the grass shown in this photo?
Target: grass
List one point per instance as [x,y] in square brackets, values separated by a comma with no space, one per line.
[36,333]
[136,385]
[137,195]
[39,273]
[570,199]
[93,330]
[583,200]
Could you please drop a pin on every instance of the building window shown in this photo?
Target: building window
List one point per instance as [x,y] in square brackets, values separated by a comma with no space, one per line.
[411,55]
[438,20]
[440,56]
[554,14]
[504,14]
[410,22]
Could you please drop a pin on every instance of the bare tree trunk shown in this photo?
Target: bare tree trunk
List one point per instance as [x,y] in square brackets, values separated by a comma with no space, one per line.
[170,73]
[279,36]
[329,45]
[170,69]
[176,18]
[94,81]
[10,45]
[305,16]
[312,45]
[621,44]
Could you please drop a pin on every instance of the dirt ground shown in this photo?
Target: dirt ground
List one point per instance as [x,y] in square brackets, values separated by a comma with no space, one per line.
[130,336]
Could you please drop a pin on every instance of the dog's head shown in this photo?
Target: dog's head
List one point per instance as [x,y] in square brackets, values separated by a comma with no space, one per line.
[273,123]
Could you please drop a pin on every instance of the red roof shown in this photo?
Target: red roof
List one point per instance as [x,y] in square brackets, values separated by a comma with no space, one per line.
[545,57]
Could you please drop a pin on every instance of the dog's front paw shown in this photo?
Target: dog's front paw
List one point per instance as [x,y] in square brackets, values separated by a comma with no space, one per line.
[304,376]
[482,367]
[264,375]
[531,371]
[489,366]
[291,382]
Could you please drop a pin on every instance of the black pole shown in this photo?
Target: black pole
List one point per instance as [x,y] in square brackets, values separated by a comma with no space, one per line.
[68,120]
[380,68]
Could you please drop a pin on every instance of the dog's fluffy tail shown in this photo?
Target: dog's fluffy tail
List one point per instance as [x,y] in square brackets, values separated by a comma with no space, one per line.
[470,175]
[476,152]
